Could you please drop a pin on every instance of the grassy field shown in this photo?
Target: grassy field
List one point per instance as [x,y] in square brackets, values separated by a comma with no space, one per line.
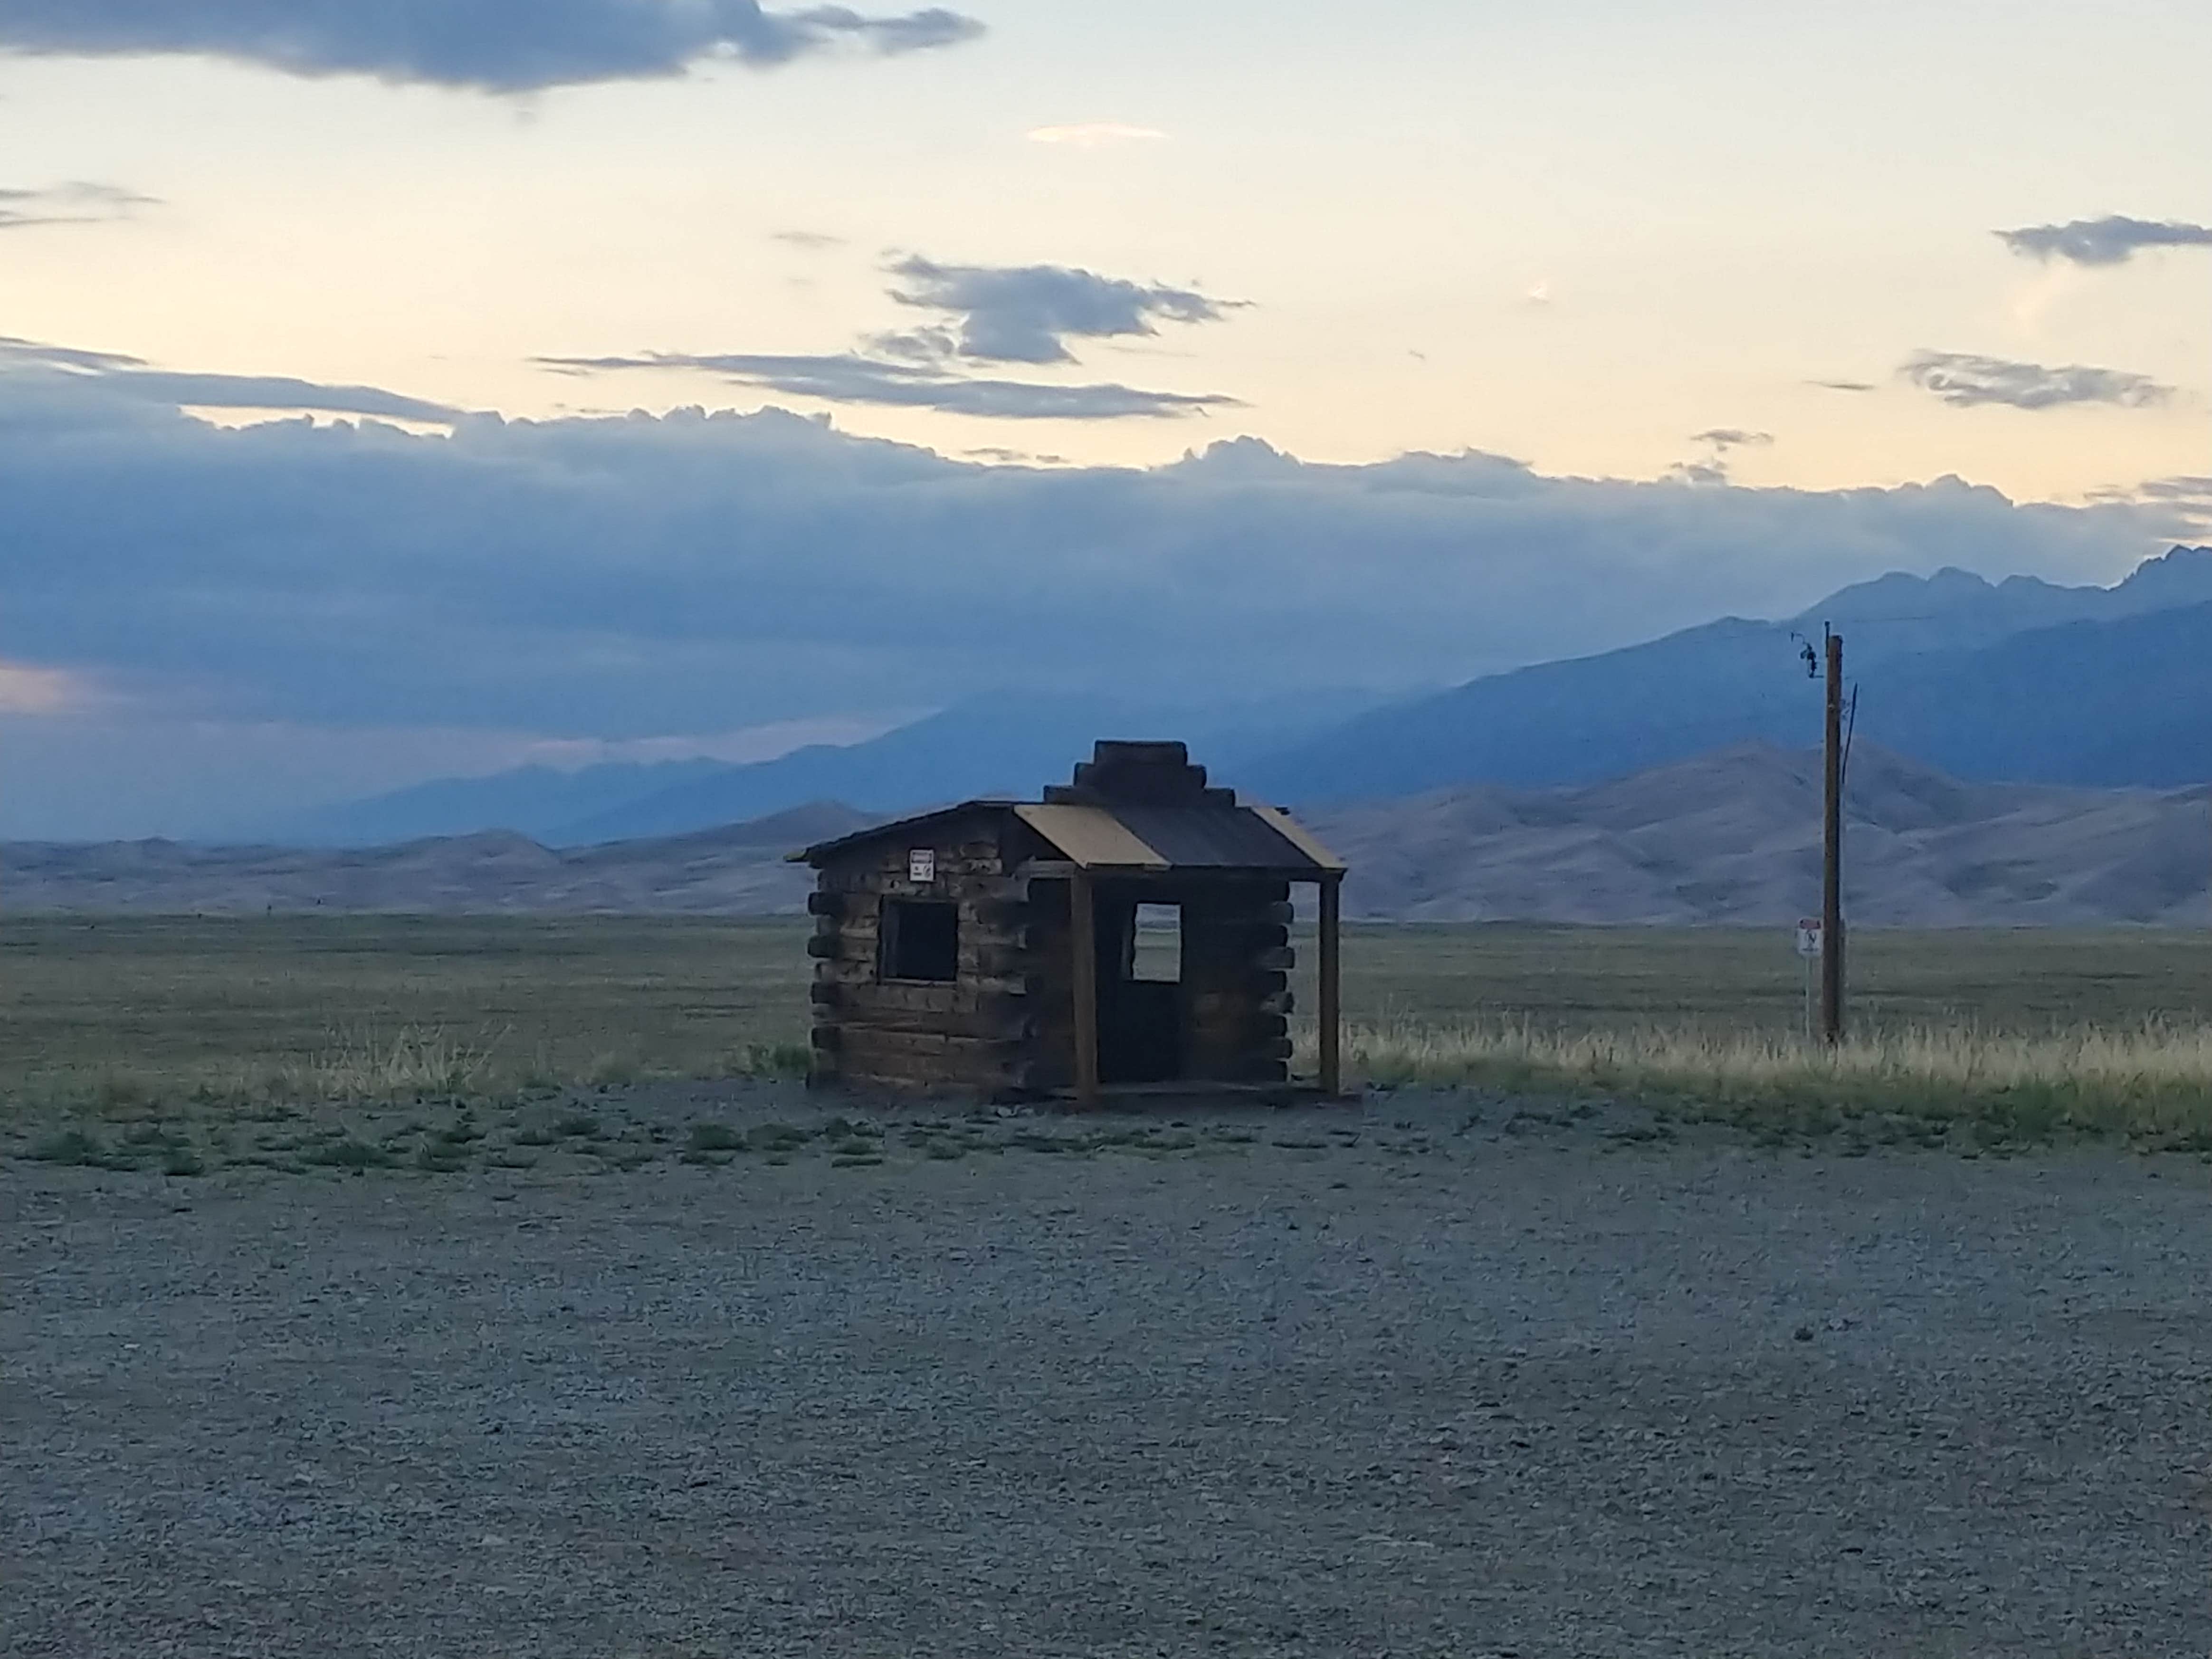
[1730,981]
[2103,1029]
[181,1003]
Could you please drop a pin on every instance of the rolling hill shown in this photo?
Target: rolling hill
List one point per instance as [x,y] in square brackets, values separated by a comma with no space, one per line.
[1734,838]
[738,870]
[1730,837]
[1005,744]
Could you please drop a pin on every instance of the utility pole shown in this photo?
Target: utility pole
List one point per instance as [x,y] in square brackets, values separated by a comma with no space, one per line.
[1832,850]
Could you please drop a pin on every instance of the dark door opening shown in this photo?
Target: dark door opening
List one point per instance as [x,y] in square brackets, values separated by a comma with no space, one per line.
[1140,996]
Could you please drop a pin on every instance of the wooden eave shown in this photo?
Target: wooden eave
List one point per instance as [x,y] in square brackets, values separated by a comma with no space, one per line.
[897,829]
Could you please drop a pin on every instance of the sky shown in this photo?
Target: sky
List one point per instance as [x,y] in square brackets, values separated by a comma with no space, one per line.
[402,389]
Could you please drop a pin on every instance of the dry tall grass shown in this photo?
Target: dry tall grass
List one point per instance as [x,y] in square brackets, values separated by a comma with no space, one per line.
[414,1065]
[2152,1080]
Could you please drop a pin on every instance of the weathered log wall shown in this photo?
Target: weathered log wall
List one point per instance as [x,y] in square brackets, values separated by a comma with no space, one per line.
[970,1032]
[1236,988]
[1005,1024]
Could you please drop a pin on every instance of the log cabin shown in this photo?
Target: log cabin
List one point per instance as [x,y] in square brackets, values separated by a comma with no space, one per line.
[1130,930]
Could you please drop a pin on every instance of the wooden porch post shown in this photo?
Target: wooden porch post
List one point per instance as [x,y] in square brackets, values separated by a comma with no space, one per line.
[1331,1011]
[1083,930]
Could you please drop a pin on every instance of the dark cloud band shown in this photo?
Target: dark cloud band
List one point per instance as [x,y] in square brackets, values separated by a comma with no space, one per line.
[1967,381]
[494,46]
[75,204]
[635,575]
[850,378]
[2109,241]
[989,315]
[1026,313]
[113,373]
[2187,500]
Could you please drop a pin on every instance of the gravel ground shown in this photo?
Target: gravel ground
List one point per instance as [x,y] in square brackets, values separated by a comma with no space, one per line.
[1467,1381]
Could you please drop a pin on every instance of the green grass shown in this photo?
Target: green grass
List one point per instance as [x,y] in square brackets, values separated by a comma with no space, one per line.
[120,1013]
[1733,979]
[240,1020]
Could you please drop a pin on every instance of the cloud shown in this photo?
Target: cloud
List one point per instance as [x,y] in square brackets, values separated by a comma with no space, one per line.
[279,392]
[1713,467]
[132,377]
[851,378]
[999,455]
[491,45]
[2109,241]
[26,690]
[1843,386]
[1699,472]
[2185,503]
[2192,489]
[1968,381]
[988,314]
[75,204]
[1025,314]
[813,241]
[636,576]
[1093,134]
[741,747]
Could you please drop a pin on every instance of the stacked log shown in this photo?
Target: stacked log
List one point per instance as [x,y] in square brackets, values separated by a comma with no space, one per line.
[971,1032]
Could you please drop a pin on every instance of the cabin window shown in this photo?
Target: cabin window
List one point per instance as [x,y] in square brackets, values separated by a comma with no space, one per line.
[1156,945]
[920,940]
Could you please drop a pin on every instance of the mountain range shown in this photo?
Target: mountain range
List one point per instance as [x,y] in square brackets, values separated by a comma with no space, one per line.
[2021,680]
[1004,745]
[1730,837]
[2016,681]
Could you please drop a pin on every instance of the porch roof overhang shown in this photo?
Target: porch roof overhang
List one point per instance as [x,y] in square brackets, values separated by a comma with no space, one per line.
[1121,839]
[1135,840]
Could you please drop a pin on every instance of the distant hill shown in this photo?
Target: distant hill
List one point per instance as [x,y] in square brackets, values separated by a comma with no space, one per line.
[1735,837]
[1007,744]
[2019,680]
[538,801]
[1730,837]
[738,870]
[998,746]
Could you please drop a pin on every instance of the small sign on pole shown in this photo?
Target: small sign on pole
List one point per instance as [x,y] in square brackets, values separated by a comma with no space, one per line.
[1809,936]
[921,865]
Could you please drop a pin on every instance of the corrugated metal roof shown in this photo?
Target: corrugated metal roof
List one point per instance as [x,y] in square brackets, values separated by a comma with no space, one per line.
[1094,837]
[1115,837]
[1211,837]
[1148,838]
[1296,834]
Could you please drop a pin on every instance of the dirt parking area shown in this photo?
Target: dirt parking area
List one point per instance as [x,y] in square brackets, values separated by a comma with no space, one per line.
[1434,1378]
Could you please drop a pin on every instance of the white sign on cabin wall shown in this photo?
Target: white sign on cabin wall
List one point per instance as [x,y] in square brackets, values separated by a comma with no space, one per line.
[922,863]
[1808,936]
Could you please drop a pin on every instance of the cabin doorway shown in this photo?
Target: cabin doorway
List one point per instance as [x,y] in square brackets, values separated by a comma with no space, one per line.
[1143,1020]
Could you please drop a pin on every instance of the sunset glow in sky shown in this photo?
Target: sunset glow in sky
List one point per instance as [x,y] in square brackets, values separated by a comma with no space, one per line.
[1750,247]
[1580,234]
